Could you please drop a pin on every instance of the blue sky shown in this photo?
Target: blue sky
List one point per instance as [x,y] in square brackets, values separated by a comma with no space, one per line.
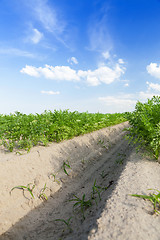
[88,55]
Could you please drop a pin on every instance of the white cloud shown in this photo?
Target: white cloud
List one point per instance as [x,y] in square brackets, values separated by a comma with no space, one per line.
[126,84]
[30,70]
[37,36]
[153,86]
[106,55]
[73,60]
[100,75]
[55,73]
[154,70]
[50,92]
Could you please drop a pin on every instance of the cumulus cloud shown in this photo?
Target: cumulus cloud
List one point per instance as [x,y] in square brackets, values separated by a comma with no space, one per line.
[37,36]
[73,60]
[50,72]
[153,86]
[50,92]
[100,75]
[154,70]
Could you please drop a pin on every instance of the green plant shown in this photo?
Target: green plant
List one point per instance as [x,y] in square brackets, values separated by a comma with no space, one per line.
[21,131]
[54,176]
[28,188]
[66,165]
[82,203]
[153,198]
[96,190]
[145,125]
[66,222]
[42,195]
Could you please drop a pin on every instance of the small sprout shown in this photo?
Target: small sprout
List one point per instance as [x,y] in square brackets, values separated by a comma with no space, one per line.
[54,176]
[64,167]
[83,161]
[82,203]
[120,161]
[103,175]
[28,188]
[42,195]
[96,190]
[153,198]
[100,141]
[67,222]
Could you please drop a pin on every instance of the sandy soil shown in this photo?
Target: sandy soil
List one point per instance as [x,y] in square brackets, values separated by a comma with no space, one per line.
[104,156]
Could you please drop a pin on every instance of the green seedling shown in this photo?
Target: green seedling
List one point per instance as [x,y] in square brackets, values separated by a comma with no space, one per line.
[66,222]
[54,176]
[82,203]
[28,188]
[42,195]
[153,198]
[100,141]
[103,175]
[96,190]
[64,167]
[120,161]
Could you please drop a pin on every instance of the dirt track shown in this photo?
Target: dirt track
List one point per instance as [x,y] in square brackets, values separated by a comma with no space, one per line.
[103,155]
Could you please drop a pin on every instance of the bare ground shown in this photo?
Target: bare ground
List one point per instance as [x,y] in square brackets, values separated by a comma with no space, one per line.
[104,156]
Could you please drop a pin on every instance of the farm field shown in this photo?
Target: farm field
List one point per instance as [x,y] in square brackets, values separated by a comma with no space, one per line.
[81,188]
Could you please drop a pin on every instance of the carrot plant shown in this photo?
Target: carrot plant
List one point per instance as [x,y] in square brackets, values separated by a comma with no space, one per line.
[21,131]
[145,125]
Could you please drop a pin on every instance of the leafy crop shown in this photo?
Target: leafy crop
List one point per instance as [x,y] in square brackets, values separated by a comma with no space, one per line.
[145,125]
[153,198]
[21,131]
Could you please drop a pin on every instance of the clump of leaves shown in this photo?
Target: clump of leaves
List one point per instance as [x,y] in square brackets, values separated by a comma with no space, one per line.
[82,203]
[42,194]
[66,165]
[66,222]
[153,198]
[28,188]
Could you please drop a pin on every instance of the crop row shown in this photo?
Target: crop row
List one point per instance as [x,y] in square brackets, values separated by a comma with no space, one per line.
[145,125]
[23,131]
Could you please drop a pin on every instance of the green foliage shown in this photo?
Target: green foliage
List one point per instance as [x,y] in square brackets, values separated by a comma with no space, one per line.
[145,125]
[153,198]
[23,131]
